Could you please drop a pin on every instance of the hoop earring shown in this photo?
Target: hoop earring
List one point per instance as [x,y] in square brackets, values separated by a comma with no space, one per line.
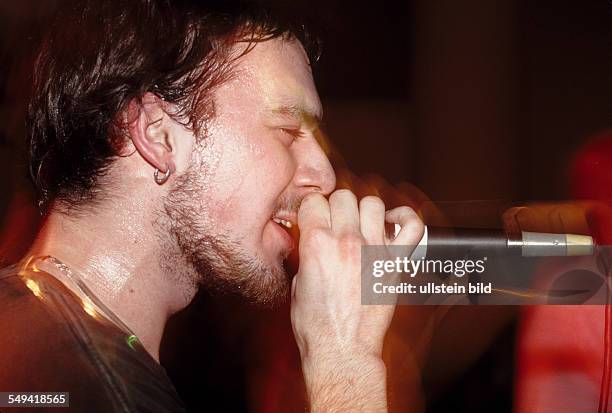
[161,180]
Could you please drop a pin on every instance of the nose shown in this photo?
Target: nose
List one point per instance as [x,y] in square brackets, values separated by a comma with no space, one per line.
[314,172]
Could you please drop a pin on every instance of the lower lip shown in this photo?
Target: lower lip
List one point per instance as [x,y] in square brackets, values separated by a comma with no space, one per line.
[287,239]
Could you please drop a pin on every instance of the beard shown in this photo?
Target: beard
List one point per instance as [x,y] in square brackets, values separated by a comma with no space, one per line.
[199,258]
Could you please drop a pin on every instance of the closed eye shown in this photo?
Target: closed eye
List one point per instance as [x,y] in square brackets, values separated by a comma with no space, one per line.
[293,134]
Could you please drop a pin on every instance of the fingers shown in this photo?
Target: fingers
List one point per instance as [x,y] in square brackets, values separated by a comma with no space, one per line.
[343,215]
[314,212]
[412,226]
[344,212]
[372,220]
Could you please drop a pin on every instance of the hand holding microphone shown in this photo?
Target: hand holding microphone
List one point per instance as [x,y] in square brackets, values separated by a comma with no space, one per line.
[340,340]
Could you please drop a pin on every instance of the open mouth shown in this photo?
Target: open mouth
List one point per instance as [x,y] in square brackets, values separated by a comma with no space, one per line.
[288,226]
[286,222]
[283,222]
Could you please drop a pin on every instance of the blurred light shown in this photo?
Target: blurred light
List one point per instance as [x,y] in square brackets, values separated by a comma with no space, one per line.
[131,341]
[33,286]
[89,308]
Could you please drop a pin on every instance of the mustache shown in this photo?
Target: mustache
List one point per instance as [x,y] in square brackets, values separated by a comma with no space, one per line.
[290,204]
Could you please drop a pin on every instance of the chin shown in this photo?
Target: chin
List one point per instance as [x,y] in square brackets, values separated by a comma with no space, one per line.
[258,280]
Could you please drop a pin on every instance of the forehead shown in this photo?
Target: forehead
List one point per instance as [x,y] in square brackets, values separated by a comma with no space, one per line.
[277,74]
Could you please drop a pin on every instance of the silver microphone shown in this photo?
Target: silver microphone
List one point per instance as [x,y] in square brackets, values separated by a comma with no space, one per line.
[439,242]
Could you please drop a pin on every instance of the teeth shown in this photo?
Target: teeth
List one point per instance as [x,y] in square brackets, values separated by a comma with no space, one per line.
[288,224]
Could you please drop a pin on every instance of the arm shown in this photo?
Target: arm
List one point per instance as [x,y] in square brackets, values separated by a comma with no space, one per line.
[340,340]
[346,384]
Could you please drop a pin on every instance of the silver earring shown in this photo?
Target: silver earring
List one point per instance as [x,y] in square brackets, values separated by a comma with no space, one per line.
[160,180]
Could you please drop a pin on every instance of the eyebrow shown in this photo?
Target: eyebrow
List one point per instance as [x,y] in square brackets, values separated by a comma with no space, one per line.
[296,112]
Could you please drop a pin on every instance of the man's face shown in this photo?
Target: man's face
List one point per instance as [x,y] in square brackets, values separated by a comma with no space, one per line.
[258,159]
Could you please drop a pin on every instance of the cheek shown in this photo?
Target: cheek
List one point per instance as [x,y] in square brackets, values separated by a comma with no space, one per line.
[248,184]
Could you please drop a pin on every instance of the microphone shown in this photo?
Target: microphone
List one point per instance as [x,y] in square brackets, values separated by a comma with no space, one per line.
[444,242]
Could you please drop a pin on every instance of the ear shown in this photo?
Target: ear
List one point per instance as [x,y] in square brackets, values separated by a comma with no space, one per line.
[150,132]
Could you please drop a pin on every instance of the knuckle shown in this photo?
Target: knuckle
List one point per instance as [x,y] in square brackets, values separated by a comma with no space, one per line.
[350,239]
[414,226]
[407,210]
[342,194]
[310,197]
[316,236]
[371,201]
[349,245]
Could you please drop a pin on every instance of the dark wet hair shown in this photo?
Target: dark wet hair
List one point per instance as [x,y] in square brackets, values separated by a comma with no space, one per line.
[100,54]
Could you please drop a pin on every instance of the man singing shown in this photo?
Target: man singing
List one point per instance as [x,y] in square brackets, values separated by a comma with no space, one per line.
[175,149]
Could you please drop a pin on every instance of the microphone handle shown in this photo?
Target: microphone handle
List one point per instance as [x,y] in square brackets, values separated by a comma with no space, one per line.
[470,242]
[446,242]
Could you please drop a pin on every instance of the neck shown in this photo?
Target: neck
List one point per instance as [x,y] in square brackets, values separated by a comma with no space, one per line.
[117,255]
